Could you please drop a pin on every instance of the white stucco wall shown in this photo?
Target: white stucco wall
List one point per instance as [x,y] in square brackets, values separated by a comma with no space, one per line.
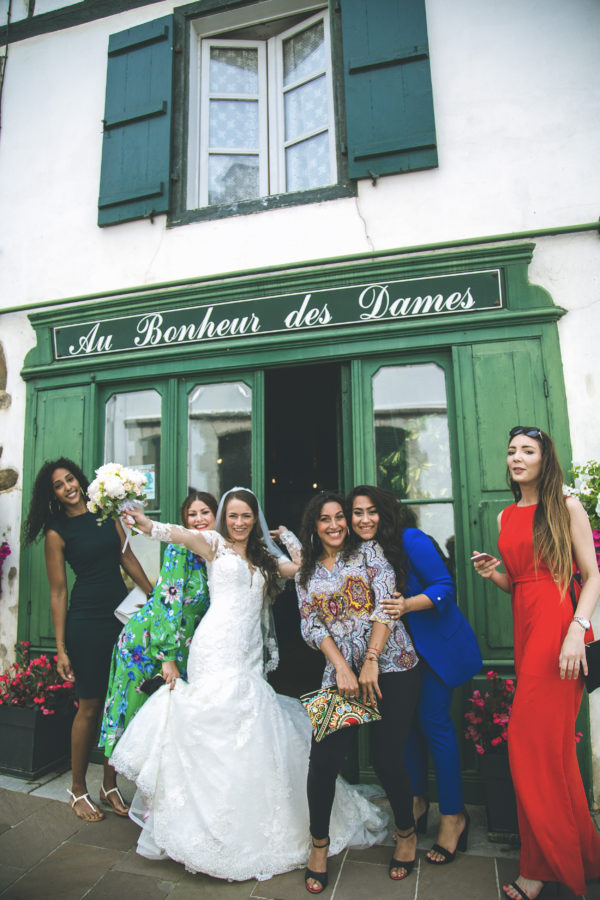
[517,103]
[17,337]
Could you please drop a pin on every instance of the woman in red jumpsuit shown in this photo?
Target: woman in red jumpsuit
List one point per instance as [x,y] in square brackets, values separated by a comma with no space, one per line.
[558,839]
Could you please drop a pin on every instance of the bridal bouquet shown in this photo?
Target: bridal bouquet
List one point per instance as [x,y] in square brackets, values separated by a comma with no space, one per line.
[114,488]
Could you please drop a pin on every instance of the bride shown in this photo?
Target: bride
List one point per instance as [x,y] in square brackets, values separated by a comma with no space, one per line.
[220,762]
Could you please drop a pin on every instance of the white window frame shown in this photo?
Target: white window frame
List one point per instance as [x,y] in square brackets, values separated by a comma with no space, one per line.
[260,98]
[205,32]
[278,143]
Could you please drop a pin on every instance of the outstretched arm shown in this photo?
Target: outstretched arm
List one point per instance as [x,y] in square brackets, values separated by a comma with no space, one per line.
[196,541]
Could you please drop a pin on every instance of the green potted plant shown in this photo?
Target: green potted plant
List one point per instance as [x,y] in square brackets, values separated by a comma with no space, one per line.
[36,713]
[587,490]
[487,724]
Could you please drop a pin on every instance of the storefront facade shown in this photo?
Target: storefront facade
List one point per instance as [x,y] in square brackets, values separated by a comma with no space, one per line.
[405,372]
[371,284]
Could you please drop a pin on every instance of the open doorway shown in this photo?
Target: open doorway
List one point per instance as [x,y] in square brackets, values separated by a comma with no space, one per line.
[302,453]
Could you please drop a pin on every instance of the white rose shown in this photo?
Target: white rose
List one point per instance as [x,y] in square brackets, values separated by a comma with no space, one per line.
[113,487]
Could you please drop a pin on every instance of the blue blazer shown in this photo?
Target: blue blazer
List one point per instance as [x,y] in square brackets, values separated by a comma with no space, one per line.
[442,635]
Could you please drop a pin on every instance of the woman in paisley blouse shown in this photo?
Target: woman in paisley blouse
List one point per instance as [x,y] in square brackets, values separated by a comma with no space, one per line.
[156,640]
[340,595]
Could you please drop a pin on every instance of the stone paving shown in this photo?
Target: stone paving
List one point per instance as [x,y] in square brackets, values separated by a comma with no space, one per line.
[47,853]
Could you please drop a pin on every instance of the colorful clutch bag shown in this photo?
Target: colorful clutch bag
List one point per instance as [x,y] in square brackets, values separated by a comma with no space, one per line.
[329,711]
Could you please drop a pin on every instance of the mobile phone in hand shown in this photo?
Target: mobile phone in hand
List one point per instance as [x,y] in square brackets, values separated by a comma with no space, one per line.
[483,557]
[152,684]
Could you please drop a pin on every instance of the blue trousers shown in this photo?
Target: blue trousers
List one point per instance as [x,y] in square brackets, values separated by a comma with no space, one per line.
[433,730]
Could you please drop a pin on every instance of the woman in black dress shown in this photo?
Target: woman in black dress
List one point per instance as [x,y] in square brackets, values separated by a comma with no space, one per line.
[86,632]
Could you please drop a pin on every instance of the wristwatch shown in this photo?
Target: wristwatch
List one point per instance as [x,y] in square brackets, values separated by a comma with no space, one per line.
[585,623]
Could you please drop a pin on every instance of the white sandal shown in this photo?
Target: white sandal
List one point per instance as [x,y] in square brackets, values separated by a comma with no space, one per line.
[98,812]
[104,795]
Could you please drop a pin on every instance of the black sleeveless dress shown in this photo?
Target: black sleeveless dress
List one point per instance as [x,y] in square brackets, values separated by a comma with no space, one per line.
[94,553]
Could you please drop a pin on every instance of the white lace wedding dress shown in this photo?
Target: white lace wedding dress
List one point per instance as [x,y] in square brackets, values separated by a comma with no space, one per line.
[221,761]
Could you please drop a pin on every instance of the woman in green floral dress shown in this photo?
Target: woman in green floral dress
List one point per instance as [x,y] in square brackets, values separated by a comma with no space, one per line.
[156,640]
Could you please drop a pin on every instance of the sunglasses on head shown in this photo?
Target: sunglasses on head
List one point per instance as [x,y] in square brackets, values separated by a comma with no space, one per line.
[524,429]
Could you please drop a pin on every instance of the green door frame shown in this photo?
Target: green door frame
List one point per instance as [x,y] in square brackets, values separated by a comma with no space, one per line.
[459,342]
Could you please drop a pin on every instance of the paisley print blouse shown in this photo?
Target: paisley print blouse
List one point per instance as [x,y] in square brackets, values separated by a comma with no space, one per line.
[343,604]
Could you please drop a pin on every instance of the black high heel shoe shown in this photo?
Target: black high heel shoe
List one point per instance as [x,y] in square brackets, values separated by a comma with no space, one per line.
[460,846]
[321,877]
[400,863]
[421,823]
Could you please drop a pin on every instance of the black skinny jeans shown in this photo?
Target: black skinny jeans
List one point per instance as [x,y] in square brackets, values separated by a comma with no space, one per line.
[400,693]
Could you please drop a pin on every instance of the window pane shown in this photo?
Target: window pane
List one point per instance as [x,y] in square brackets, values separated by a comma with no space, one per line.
[307,164]
[304,54]
[132,438]
[132,435]
[306,108]
[219,437]
[232,178]
[234,124]
[412,444]
[233,70]
[437,520]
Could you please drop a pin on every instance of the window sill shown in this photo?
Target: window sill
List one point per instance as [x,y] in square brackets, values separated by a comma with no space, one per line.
[274,201]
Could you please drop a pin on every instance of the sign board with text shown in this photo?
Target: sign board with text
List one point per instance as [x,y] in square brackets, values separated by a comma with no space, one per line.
[384,301]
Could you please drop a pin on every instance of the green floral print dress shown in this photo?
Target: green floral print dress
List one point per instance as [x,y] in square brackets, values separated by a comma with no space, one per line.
[161,630]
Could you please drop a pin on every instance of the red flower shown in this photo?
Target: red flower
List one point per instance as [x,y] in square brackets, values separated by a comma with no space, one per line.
[488,718]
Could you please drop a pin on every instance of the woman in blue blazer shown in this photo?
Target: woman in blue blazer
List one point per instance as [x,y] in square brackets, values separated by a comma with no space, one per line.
[447,648]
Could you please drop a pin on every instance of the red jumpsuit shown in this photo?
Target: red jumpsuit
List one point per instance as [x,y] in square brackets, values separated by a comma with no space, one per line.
[558,838]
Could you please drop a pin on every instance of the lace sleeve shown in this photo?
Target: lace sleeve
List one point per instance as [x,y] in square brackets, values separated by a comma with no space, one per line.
[161,532]
[203,543]
[292,545]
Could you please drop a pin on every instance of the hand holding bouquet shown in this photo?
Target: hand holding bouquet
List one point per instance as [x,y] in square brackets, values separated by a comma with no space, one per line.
[114,489]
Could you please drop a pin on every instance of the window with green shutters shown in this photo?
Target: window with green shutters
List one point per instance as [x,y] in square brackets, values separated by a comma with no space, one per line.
[356,103]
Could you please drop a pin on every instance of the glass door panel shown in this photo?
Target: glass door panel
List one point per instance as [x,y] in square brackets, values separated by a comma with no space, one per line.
[412,445]
[219,420]
[132,437]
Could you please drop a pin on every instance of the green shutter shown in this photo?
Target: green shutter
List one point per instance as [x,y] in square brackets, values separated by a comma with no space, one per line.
[389,103]
[59,430]
[137,123]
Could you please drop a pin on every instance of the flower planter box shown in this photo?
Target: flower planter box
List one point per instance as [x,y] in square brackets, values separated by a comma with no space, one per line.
[31,743]
[501,806]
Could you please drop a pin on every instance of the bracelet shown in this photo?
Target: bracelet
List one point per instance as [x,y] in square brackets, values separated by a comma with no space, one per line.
[373,650]
[371,659]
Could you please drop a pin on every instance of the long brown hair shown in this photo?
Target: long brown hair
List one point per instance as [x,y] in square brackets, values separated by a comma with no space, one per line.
[256,550]
[551,521]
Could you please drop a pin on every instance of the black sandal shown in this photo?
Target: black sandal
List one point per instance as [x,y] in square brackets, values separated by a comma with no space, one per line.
[321,877]
[461,846]
[399,863]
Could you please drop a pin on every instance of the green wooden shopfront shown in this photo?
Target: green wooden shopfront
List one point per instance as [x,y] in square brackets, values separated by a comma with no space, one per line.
[405,370]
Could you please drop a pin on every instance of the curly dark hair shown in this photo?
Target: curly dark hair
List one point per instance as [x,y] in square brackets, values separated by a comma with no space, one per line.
[203,497]
[392,522]
[44,506]
[312,548]
[256,550]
